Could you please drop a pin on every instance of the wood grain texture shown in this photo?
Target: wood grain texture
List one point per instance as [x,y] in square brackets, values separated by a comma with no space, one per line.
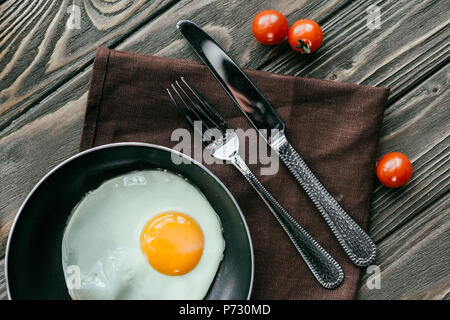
[419,126]
[413,42]
[41,45]
[228,22]
[66,106]
[415,261]
[421,133]
[416,122]
[50,132]
[3,292]
[54,136]
[65,53]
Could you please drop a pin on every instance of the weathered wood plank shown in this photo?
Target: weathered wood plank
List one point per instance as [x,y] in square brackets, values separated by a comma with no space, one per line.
[419,126]
[55,130]
[36,148]
[413,42]
[66,108]
[388,147]
[3,293]
[66,105]
[235,35]
[39,52]
[50,131]
[415,261]
[228,22]
[6,7]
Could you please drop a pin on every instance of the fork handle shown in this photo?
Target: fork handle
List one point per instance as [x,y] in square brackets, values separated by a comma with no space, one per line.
[324,268]
[355,241]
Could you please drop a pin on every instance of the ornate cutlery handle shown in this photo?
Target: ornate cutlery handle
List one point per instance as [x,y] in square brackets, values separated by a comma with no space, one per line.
[324,268]
[356,243]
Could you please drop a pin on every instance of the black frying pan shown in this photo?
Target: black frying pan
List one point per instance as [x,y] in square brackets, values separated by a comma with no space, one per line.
[33,253]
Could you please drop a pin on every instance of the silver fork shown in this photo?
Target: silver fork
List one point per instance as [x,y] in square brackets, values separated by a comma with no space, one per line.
[225,147]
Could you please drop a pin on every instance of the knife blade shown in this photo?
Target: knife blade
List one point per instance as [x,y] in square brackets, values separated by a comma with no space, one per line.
[235,82]
[355,242]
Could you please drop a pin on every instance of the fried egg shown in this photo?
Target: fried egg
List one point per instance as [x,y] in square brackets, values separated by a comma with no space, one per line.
[144,235]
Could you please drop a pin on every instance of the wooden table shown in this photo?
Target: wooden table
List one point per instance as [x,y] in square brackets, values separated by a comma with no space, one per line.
[45,68]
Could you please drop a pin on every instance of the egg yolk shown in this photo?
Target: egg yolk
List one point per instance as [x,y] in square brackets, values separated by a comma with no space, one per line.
[173,243]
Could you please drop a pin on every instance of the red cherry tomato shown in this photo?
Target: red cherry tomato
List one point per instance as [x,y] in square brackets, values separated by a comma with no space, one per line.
[305,36]
[270,27]
[394,169]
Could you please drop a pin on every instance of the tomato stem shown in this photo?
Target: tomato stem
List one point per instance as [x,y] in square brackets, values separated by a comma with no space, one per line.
[303,46]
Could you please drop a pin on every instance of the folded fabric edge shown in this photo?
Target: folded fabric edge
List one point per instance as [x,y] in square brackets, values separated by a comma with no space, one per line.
[95,95]
[272,74]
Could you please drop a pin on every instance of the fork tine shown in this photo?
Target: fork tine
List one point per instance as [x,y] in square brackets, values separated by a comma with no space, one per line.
[191,114]
[195,108]
[187,114]
[194,115]
[217,119]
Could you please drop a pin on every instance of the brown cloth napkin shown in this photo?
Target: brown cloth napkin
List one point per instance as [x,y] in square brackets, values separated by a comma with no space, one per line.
[334,126]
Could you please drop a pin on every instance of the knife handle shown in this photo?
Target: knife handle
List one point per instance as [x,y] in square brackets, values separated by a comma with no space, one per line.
[322,265]
[355,241]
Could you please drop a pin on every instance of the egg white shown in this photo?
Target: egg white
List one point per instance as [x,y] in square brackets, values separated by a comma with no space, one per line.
[102,239]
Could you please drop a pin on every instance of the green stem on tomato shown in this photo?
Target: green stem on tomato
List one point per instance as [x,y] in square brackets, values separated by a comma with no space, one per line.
[303,46]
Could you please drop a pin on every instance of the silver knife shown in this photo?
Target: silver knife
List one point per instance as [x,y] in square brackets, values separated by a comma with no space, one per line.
[356,243]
